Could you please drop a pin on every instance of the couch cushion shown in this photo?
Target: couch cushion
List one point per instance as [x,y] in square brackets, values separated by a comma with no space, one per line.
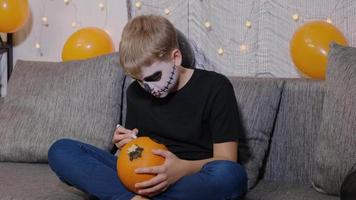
[51,100]
[257,100]
[290,157]
[335,152]
[269,190]
[25,181]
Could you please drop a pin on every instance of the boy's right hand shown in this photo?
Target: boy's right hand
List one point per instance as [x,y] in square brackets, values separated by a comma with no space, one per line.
[123,136]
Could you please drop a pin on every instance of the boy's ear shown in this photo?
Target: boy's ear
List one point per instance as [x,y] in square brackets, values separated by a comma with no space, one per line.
[177,57]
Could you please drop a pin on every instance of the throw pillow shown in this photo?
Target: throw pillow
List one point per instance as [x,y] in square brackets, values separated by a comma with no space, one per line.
[258,100]
[51,100]
[335,150]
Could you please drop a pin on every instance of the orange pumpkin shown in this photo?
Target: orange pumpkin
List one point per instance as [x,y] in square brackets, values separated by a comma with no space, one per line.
[136,154]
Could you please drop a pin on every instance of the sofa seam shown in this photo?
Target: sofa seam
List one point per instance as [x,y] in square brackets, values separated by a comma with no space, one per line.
[262,170]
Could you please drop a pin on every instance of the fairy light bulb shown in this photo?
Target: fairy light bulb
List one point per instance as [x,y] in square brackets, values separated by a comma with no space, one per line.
[220,51]
[207,25]
[167,11]
[66,2]
[37,45]
[243,47]
[328,20]
[74,24]
[101,6]
[138,4]
[248,23]
[44,20]
[295,17]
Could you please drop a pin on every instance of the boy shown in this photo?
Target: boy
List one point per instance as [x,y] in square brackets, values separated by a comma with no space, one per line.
[193,112]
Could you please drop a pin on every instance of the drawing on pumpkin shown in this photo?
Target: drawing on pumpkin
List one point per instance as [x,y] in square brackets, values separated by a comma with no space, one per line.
[134,152]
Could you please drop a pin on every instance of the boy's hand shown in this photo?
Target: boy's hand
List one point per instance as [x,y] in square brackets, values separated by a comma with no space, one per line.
[167,174]
[123,136]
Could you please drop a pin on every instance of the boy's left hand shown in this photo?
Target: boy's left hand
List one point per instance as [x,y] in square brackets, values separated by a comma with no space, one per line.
[167,174]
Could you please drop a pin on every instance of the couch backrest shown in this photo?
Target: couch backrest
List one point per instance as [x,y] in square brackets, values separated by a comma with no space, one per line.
[290,155]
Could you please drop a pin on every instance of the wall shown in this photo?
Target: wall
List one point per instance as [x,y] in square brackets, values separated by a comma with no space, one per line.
[60,16]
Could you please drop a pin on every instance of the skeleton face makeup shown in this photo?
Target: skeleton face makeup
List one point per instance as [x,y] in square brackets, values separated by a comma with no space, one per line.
[159,79]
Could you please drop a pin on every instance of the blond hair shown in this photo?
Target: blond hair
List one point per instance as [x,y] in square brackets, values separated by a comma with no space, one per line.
[145,40]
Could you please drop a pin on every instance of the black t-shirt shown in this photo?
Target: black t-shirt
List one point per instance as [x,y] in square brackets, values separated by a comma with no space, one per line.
[189,120]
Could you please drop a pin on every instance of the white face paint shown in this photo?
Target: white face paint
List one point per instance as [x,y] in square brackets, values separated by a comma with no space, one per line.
[159,79]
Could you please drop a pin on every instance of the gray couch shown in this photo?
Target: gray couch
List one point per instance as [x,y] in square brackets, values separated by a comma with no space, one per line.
[276,146]
[295,132]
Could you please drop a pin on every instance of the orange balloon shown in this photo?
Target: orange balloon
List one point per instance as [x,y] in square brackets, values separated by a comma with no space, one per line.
[13,15]
[309,47]
[87,43]
[136,154]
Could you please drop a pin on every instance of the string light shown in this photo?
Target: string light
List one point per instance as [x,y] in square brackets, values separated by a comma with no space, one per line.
[101,6]
[44,20]
[248,24]
[74,24]
[37,45]
[295,17]
[243,47]
[328,20]
[138,4]
[220,51]
[207,25]
[167,11]
[232,46]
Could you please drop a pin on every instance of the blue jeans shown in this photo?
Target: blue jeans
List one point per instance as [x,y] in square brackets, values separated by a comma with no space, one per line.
[93,171]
